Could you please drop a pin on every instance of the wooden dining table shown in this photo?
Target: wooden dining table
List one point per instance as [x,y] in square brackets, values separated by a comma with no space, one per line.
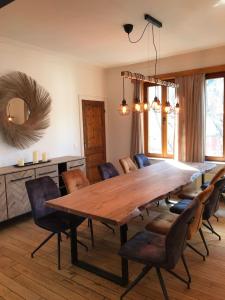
[118,200]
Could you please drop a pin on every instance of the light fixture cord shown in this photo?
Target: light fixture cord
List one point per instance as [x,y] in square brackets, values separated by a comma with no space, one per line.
[156,52]
[133,42]
[123,89]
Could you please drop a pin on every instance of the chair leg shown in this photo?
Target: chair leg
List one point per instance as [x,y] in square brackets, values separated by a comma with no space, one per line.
[107,225]
[42,244]
[217,218]
[212,229]
[90,224]
[186,269]
[82,244]
[204,241]
[58,248]
[162,284]
[142,217]
[196,251]
[147,211]
[187,282]
[145,270]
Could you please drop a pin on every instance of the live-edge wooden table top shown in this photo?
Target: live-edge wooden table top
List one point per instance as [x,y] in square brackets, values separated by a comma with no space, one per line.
[117,200]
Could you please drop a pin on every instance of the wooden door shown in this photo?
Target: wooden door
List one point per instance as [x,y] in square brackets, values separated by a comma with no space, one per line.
[94,137]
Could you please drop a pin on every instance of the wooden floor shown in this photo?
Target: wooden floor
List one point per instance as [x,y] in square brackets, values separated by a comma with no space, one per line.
[24,278]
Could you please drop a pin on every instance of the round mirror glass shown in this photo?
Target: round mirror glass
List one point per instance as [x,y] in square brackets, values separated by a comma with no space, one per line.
[17,111]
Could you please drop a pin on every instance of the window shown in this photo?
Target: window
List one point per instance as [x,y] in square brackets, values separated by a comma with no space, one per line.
[214,117]
[159,126]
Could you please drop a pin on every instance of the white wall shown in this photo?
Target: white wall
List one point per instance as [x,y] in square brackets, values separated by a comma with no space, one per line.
[120,126]
[66,80]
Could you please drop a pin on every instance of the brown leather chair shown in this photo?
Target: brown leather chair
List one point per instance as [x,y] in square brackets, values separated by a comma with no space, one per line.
[75,180]
[127,164]
[189,192]
[162,223]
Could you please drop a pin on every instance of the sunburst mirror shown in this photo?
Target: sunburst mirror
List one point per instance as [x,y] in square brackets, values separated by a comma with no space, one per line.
[24,109]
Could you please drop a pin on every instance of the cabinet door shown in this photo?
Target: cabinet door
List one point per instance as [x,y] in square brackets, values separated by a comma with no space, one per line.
[3,207]
[17,198]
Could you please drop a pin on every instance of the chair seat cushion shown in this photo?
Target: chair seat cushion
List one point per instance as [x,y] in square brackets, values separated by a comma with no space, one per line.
[59,221]
[179,207]
[161,224]
[145,247]
[189,193]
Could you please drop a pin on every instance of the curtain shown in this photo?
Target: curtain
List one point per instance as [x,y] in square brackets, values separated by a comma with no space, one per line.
[137,130]
[190,132]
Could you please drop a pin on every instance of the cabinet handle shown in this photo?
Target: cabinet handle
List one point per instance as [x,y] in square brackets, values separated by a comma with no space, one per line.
[76,166]
[46,173]
[23,178]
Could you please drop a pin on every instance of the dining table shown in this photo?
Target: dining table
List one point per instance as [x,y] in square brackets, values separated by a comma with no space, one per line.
[118,200]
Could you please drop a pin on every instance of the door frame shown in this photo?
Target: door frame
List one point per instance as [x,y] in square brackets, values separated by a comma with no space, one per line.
[92,98]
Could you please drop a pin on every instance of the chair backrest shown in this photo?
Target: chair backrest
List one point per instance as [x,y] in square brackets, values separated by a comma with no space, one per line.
[202,199]
[107,171]
[39,191]
[141,160]
[74,180]
[127,164]
[176,237]
[212,203]
[218,176]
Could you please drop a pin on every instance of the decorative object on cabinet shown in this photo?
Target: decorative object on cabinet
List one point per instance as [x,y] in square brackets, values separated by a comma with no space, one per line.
[24,109]
[14,201]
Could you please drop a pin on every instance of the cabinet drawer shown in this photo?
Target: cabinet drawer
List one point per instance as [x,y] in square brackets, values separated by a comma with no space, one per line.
[80,163]
[3,206]
[51,171]
[17,198]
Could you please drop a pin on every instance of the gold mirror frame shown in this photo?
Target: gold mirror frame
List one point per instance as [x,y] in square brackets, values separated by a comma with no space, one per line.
[19,85]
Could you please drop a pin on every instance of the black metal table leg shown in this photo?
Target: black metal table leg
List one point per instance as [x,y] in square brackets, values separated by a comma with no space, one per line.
[121,280]
[124,262]
[203,179]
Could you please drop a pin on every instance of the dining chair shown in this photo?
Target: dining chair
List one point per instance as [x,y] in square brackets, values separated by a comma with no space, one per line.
[141,160]
[39,191]
[162,223]
[159,251]
[127,165]
[74,180]
[189,192]
[210,208]
[107,171]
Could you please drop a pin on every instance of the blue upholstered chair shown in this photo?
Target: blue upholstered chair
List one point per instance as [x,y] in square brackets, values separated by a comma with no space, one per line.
[39,191]
[160,251]
[107,171]
[141,160]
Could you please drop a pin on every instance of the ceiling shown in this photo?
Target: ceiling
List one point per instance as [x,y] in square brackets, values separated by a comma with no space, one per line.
[91,30]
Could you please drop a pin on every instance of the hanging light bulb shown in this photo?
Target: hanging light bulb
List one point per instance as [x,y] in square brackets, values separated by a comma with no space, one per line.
[156,105]
[124,108]
[145,106]
[137,107]
[10,118]
[168,107]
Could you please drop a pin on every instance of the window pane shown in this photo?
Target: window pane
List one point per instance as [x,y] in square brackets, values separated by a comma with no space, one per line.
[154,123]
[214,116]
[171,97]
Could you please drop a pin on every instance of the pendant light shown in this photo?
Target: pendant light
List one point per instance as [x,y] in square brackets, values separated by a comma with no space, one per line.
[124,108]
[156,103]
[137,105]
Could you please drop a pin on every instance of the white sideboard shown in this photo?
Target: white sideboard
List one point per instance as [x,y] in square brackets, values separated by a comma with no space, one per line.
[13,195]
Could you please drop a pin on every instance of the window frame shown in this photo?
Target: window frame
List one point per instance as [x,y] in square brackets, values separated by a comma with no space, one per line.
[212,76]
[163,124]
